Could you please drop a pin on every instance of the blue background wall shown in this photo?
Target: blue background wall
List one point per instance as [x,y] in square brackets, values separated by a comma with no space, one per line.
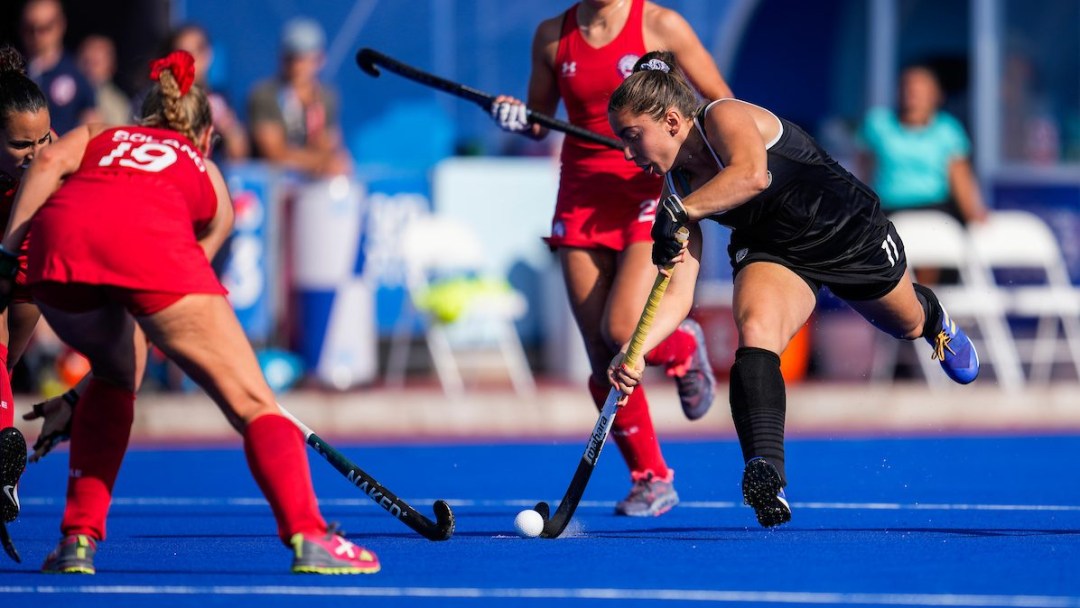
[485,44]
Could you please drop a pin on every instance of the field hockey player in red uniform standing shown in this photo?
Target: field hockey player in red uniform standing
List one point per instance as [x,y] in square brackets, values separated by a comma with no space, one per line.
[121,220]
[605,210]
[25,129]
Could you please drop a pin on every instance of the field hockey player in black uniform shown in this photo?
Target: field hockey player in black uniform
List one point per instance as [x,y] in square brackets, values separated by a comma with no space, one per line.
[799,221]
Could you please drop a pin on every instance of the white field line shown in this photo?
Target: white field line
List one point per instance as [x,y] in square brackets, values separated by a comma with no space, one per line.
[656,595]
[159,501]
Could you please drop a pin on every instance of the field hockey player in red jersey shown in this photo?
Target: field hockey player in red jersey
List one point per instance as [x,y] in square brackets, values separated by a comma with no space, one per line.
[605,209]
[25,129]
[122,219]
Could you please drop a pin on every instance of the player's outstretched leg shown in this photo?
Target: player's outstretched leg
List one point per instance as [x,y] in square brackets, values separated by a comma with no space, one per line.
[331,553]
[12,465]
[74,555]
[951,345]
[764,491]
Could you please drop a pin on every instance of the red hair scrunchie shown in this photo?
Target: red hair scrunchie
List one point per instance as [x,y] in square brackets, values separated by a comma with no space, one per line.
[182,66]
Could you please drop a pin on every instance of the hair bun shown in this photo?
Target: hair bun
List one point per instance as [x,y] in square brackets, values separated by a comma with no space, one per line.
[11,60]
[182,66]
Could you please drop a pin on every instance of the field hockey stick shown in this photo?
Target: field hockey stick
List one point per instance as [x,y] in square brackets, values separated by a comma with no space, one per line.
[555,525]
[9,546]
[370,59]
[441,529]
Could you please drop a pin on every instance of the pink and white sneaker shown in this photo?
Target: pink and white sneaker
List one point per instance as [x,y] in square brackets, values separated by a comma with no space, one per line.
[331,553]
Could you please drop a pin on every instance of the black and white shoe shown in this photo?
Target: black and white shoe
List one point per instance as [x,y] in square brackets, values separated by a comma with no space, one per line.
[12,465]
[764,491]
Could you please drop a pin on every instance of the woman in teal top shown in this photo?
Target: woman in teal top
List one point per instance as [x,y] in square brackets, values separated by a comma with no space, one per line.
[921,154]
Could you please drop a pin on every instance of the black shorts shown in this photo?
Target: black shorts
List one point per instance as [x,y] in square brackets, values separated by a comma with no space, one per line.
[878,267]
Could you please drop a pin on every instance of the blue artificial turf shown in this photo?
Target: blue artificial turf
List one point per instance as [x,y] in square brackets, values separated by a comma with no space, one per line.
[932,521]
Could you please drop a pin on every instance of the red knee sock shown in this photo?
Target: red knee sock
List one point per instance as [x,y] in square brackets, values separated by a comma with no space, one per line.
[633,432]
[7,401]
[673,353]
[99,437]
[277,458]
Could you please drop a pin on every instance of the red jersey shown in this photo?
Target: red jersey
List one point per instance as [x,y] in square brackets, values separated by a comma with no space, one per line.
[604,200]
[129,216]
[7,200]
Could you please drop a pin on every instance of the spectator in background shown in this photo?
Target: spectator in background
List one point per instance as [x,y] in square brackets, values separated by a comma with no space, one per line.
[919,156]
[71,97]
[294,117]
[97,62]
[234,137]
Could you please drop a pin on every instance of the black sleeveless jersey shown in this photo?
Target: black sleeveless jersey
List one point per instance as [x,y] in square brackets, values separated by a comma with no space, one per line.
[815,217]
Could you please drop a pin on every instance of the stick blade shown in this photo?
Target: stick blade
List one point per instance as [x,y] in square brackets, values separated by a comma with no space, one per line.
[9,546]
[552,527]
[444,519]
[366,58]
[543,509]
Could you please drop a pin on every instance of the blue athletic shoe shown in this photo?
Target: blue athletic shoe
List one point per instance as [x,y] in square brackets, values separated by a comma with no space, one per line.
[955,351]
[763,490]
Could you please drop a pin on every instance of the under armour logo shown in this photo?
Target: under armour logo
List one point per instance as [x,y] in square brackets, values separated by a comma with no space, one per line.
[569,68]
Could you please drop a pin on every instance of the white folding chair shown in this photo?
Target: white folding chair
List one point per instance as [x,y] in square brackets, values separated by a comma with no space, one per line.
[936,239]
[1021,241]
[440,248]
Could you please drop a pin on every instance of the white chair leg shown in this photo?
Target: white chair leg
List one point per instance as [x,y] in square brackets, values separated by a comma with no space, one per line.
[886,354]
[999,342]
[516,361]
[442,356]
[1044,352]
[1071,328]
[399,347]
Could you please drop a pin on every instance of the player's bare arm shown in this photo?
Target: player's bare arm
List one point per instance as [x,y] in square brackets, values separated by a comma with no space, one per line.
[734,133]
[43,178]
[543,95]
[215,233]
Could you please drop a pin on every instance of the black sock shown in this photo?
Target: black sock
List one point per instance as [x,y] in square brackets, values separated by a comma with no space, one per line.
[759,405]
[931,311]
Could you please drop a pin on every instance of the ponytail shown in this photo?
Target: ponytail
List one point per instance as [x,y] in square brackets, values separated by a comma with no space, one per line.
[174,102]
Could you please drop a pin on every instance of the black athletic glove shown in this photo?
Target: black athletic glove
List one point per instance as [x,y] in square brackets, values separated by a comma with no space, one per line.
[670,217]
[9,267]
[56,414]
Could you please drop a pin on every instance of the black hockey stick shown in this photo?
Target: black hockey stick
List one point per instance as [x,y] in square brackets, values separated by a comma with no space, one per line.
[369,59]
[9,547]
[555,525]
[442,529]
